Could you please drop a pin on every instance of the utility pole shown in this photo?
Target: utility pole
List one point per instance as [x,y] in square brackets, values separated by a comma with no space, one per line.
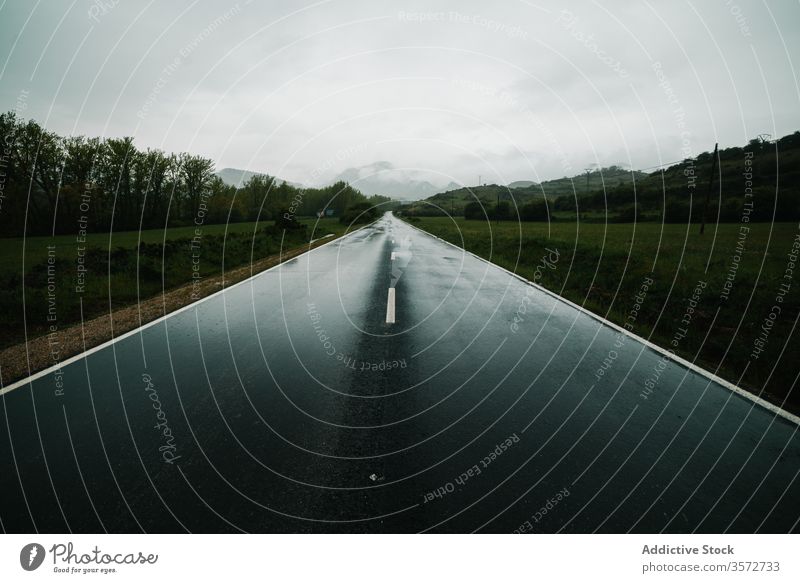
[708,192]
[588,170]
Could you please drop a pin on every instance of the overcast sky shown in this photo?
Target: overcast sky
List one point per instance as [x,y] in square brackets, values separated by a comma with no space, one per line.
[510,90]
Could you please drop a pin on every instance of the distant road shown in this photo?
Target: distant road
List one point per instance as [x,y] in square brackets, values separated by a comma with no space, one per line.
[389,382]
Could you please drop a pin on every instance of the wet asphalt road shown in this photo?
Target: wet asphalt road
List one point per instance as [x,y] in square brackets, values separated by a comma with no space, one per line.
[288,403]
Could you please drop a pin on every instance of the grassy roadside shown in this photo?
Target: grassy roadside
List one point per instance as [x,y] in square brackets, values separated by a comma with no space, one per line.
[248,249]
[44,280]
[11,249]
[711,297]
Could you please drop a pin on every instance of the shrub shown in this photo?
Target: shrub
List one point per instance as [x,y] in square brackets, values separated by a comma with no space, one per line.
[534,211]
[474,211]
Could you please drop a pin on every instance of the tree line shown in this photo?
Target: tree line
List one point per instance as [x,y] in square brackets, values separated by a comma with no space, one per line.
[52,184]
[761,180]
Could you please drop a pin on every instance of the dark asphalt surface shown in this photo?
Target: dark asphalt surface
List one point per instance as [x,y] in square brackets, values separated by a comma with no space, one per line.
[289,404]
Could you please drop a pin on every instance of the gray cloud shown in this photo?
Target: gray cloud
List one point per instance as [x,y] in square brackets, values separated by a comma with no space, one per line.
[523,90]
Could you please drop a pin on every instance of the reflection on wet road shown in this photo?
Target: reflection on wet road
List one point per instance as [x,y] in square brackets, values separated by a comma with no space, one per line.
[389,382]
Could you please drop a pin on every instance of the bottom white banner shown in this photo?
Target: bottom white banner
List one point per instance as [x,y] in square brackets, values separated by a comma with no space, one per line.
[381,558]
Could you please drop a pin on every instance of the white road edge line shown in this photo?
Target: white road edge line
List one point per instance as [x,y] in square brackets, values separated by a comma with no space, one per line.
[99,347]
[390,307]
[683,362]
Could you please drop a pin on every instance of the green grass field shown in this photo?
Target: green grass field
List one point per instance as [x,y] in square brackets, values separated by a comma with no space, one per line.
[603,267]
[125,267]
[11,250]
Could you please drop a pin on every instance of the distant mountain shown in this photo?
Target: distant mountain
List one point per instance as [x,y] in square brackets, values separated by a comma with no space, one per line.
[385,179]
[524,191]
[377,178]
[603,178]
[583,183]
[455,200]
[236,177]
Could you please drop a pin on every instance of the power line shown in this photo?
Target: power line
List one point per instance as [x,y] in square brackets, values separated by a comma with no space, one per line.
[661,165]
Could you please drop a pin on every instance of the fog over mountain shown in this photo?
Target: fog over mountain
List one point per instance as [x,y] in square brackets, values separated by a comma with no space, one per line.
[237,177]
[377,178]
[386,179]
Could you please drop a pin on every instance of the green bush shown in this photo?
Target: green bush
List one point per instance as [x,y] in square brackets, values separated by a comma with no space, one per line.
[360,212]
[535,211]
[475,211]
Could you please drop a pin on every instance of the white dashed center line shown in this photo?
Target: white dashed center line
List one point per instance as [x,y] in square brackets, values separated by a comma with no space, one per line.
[390,307]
